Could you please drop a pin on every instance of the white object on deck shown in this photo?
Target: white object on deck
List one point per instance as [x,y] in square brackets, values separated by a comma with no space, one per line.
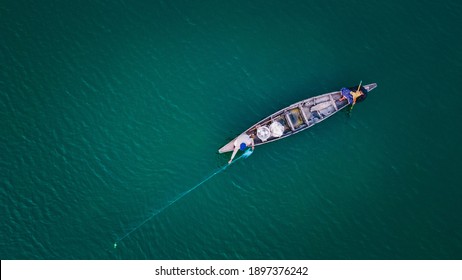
[277,129]
[263,133]
[320,106]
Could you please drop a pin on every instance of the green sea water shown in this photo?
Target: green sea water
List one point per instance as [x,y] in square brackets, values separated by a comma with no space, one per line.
[110,109]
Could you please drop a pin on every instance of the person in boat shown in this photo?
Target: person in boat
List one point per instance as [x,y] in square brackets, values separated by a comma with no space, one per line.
[241,143]
[352,96]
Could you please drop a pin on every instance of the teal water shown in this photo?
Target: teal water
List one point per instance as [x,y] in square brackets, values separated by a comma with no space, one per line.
[110,109]
[245,154]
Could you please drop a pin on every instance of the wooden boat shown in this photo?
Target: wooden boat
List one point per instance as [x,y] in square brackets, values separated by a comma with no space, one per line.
[296,117]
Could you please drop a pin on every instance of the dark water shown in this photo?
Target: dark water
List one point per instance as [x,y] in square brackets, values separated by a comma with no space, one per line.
[110,109]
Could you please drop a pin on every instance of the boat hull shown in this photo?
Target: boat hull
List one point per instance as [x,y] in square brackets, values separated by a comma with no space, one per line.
[296,117]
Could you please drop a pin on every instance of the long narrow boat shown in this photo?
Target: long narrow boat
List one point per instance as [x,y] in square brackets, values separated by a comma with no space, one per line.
[296,117]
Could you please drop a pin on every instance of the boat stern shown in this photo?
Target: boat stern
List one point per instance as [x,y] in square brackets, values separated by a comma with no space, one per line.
[370,87]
